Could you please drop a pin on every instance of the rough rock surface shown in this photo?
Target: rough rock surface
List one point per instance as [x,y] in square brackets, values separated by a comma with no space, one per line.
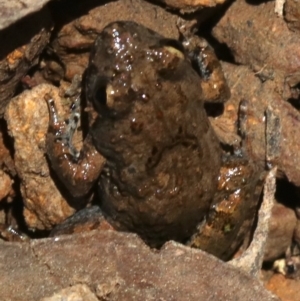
[280,233]
[119,266]
[27,118]
[6,158]
[292,14]
[286,289]
[5,184]
[79,292]
[191,5]
[14,10]
[268,38]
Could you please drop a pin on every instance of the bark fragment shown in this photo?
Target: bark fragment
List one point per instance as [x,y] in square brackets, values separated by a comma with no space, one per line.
[20,53]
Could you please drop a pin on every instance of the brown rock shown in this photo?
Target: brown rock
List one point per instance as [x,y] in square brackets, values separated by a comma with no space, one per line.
[27,118]
[13,10]
[286,289]
[19,52]
[5,184]
[261,40]
[297,232]
[191,5]
[74,293]
[6,160]
[292,14]
[281,230]
[120,266]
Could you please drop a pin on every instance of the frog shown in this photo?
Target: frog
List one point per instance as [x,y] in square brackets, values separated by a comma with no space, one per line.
[145,96]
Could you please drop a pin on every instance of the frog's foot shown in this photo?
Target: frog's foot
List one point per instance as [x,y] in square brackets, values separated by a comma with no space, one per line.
[207,65]
[251,260]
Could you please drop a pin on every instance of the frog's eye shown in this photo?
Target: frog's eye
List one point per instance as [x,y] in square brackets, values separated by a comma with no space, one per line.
[100,91]
[173,47]
[104,96]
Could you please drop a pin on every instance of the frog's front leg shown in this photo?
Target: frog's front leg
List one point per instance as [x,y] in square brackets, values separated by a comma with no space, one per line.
[78,170]
[207,65]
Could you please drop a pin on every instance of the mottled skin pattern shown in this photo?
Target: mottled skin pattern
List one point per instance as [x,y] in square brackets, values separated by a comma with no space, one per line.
[148,121]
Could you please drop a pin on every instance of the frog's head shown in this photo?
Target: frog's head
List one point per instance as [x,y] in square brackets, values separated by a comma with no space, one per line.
[127,64]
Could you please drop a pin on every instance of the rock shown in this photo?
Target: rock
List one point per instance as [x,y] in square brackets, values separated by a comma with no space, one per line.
[281,229]
[5,184]
[27,118]
[268,38]
[75,293]
[191,5]
[14,10]
[292,14]
[286,289]
[119,266]
[297,232]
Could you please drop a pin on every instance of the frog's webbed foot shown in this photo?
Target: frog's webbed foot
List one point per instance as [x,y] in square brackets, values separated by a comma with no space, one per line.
[207,65]
[78,170]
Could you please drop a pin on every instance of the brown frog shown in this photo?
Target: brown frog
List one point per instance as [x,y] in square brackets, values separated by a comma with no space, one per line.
[145,96]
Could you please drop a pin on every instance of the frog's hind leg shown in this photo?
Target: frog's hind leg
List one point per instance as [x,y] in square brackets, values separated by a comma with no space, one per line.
[77,169]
